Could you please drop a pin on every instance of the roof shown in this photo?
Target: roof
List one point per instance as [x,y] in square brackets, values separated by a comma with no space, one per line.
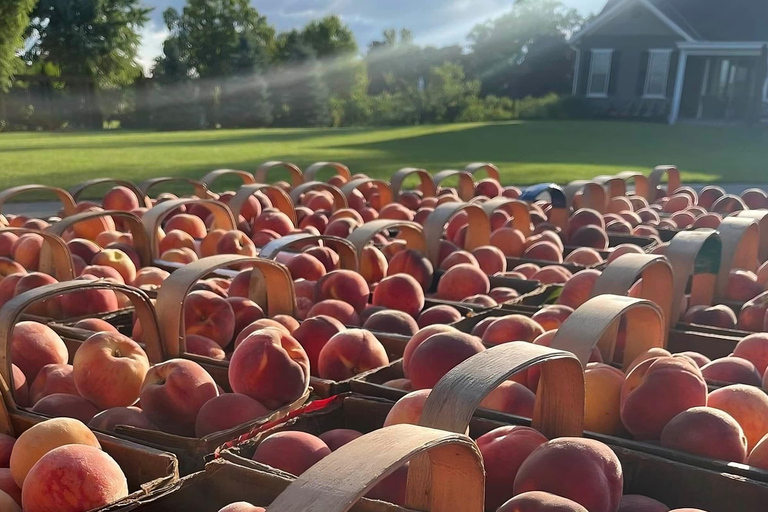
[714,20]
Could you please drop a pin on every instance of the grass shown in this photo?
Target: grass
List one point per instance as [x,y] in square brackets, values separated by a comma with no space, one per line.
[526,152]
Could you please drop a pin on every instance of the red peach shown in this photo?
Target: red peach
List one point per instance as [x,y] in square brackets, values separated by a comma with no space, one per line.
[401,292]
[314,333]
[716,316]
[118,260]
[53,378]
[46,308]
[350,353]
[176,239]
[344,285]
[708,432]
[754,348]
[438,354]
[578,289]
[258,325]
[742,286]
[190,224]
[638,503]
[413,263]
[291,451]
[338,437]
[60,405]
[552,316]
[7,240]
[34,345]
[419,338]
[341,311]
[209,315]
[512,328]
[510,241]
[130,416]
[748,405]
[440,314]
[26,251]
[545,251]
[462,281]
[538,501]
[275,221]
[373,265]
[490,259]
[407,410]
[732,370]
[227,411]
[392,321]
[457,258]
[236,242]
[202,346]
[511,398]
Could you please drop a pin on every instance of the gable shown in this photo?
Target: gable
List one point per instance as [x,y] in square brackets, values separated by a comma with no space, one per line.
[634,20]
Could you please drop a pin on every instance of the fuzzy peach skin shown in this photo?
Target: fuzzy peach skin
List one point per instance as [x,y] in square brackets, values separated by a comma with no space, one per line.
[512,328]
[504,450]
[552,316]
[578,289]
[53,378]
[582,470]
[207,314]
[656,391]
[511,398]
[538,501]
[46,308]
[131,416]
[440,314]
[603,399]
[748,405]
[638,503]
[438,354]
[350,353]
[732,370]
[708,432]
[241,506]
[26,251]
[392,321]
[109,370]
[173,393]
[89,302]
[118,260]
[407,410]
[338,437]
[401,292]
[462,281]
[291,451]
[6,447]
[419,338]
[227,411]
[343,285]
[44,437]
[414,264]
[73,478]
[34,345]
[754,348]
[271,367]
[66,406]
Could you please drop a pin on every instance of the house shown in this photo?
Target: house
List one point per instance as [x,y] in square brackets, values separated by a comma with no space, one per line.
[675,59]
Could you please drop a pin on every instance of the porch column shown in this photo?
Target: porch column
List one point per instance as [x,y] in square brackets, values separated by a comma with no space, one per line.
[678,95]
[576,66]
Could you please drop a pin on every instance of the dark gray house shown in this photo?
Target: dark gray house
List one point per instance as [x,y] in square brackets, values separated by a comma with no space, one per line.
[675,59]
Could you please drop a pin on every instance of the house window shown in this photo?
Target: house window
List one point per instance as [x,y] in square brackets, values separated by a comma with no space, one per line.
[599,74]
[657,73]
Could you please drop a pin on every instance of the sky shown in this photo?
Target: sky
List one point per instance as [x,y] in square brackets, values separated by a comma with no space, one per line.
[433,22]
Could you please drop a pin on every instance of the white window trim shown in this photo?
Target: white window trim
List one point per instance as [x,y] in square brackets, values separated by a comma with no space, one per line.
[663,96]
[597,51]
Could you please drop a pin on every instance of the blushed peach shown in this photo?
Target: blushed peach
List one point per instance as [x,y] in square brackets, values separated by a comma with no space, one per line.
[392,321]
[462,281]
[511,398]
[527,269]
[26,251]
[732,370]
[651,353]
[502,294]
[457,258]
[67,406]
[350,353]
[510,241]
[20,388]
[583,217]
[419,338]
[512,328]
[708,432]
[401,292]
[373,265]
[327,256]
[748,405]
[552,316]
[227,411]
[638,503]
[202,346]
[440,314]
[120,198]
[263,237]
[585,256]
[341,311]
[7,240]
[715,316]
[413,263]
[130,416]
[236,242]
[207,314]
[407,410]
[578,289]
[344,285]
[45,308]
[241,506]
[438,354]
[697,358]
[754,348]
[190,224]
[590,236]
[603,399]
[291,451]
[490,259]
[742,286]
[538,501]
[338,437]
[545,251]
[552,274]
[53,378]
[176,239]
[34,345]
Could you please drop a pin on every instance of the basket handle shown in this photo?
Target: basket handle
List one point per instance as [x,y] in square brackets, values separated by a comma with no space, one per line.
[55,258]
[596,323]
[619,276]
[427,185]
[68,202]
[411,232]
[140,241]
[479,232]
[693,253]
[78,189]
[339,199]
[559,408]
[212,176]
[312,171]
[614,186]
[593,195]
[345,249]
[280,199]
[761,216]
[13,309]
[455,471]
[489,168]
[560,211]
[297,177]
[466,183]
[200,188]
[518,210]
[658,173]
[642,185]
[271,287]
[382,187]
[154,217]
[741,242]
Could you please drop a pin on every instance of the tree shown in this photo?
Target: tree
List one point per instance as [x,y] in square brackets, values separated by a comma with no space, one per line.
[329,37]
[448,93]
[14,18]
[524,52]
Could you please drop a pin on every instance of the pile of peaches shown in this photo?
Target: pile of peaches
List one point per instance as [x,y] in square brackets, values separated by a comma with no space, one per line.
[341,316]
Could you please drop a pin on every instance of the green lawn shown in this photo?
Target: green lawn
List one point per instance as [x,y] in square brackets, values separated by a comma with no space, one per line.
[526,152]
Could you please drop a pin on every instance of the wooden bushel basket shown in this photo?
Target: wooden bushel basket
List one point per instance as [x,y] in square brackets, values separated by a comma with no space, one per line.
[339,481]
[80,188]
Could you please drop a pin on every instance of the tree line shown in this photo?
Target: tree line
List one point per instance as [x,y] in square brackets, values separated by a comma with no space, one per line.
[73,64]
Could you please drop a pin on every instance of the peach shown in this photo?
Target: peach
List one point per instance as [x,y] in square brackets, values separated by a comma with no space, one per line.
[95,325]
[651,353]
[341,311]
[341,227]
[457,258]
[578,289]
[462,281]
[118,260]
[173,392]
[338,437]
[8,286]
[287,321]
[502,294]
[504,449]
[227,411]
[103,272]
[246,312]
[26,251]
[620,227]
[89,302]
[511,398]
[580,218]
[91,228]
[527,269]
[622,249]
[413,263]
[20,389]
[327,256]
[7,240]
[747,405]
[10,503]
[258,325]
[241,506]
[590,236]
[71,478]
[306,266]
[106,238]
[120,198]
[488,187]
[499,219]
[583,470]
[131,416]
[438,354]
[446,249]
[53,378]
[510,241]
[742,286]
[291,451]
[552,316]
[419,338]
[208,246]
[236,242]
[202,346]
[603,399]
[34,345]
[66,405]
[755,199]
[440,314]
[754,348]
[176,239]
[732,370]
[699,359]
[373,265]
[512,328]
[455,223]
[481,300]
[708,432]
[271,367]
[671,384]
[275,221]
[263,237]
[190,224]
[9,267]
[552,274]
[317,220]
[392,321]
[638,503]
[401,292]
[343,285]
[314,333]
[715,316]
[350,353]
[407,410]
[207,314]
[240,285]
[490,259]
[6,447]
[46,308]
[538,501]
[545,251]
[585,256]
[403,384]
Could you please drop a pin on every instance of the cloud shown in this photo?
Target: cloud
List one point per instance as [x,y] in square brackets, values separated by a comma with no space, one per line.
[152,36]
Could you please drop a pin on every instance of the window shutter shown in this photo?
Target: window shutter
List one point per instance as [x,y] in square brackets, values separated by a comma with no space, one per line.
[642,74]
[615,63]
